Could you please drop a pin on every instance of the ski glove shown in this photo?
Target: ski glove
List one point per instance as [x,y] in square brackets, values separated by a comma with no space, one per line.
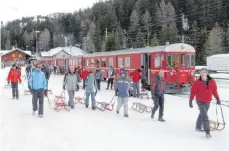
[190,104]
[77,87]
[218,101]
[116,92]
[64,87]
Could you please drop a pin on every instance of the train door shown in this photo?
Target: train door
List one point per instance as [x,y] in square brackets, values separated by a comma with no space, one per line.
[145,61]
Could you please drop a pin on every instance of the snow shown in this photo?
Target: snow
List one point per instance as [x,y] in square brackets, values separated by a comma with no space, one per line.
[74,51]
[2,52]
[219,55]
[86,130]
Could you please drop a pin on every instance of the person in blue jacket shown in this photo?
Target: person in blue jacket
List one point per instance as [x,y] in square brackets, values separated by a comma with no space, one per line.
[38,84]
[122,91]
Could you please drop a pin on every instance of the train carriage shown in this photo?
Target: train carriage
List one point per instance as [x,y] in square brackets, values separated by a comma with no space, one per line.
[177,60]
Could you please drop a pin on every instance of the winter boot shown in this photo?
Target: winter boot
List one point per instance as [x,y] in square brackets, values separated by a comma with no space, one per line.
[208,135]
[111,86]
[199,129]
[40,116]
[17,98]
[93,108]
[117,112]
[126,115]
[161,119]
[86,106]
[152,116]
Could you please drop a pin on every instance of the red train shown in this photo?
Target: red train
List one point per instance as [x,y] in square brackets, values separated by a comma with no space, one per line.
[177,60]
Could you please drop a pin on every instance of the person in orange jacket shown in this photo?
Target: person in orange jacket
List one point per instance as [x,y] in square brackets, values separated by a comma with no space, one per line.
[14,77]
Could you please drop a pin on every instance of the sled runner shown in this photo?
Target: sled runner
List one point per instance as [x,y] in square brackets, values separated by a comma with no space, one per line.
[141,108]
[218,125]
[59,102]
[79,99]
[105,106]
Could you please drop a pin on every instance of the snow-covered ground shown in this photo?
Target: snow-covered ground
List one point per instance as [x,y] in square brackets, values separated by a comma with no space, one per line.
[82,129]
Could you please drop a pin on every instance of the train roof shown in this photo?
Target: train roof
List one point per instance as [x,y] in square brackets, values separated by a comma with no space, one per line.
[219,56]
[169,48]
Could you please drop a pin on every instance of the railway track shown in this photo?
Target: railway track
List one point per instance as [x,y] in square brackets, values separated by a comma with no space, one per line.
[223,102]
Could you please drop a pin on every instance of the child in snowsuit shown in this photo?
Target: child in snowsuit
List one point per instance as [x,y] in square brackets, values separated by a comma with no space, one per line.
[122,91]
[14,78]
[71,84]
[90,89]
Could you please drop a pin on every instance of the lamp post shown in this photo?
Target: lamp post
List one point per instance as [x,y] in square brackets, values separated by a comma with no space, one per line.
[37,32]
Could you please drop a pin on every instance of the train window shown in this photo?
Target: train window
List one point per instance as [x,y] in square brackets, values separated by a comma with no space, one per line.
[191,60]
[127,62]
[183,60]
[97,61]
[110,61]
[103,62]
[92,62]
[120,62]
[172,60]
[158,59]
[87,63]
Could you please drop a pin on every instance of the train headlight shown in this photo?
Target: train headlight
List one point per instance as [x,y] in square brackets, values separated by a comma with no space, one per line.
[171,73]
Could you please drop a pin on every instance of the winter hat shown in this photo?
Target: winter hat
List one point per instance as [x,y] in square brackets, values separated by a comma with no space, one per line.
[123,72]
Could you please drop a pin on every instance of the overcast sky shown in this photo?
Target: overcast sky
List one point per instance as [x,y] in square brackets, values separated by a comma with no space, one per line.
[13,9]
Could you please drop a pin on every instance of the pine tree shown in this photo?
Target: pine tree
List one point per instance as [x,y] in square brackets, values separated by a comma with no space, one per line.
[134,24]
[154,41]
[147,25]
[140,40]
[215,40]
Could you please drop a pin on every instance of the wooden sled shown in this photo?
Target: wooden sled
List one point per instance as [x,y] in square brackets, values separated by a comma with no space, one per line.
[105,106]
[144,94]
[79,100]
[141,108]
[7,86]
[60,103]
[216,126]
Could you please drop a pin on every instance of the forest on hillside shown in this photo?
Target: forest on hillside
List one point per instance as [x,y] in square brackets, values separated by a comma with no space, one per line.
[122,24]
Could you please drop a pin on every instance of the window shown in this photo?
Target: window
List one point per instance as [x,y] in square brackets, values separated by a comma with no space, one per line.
[127,62]
[103,62]
[120,62]
[158,60]
[13,55]
[110,61]
[191,60]
[87,63]
[183,60]
[97,61]
[20,55]
[172,60]
[92,62]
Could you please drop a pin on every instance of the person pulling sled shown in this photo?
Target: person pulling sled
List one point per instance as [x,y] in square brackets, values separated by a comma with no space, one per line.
[122,91]
[71,84]
[14,78]
[90,89]
[38,84]
[203,89]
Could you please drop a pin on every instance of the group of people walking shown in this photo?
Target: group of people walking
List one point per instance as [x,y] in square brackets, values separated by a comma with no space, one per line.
[203,89]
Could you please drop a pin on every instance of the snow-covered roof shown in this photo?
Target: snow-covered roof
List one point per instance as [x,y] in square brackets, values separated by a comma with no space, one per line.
[170,48]
[4,52]
[73,51]
[219,55]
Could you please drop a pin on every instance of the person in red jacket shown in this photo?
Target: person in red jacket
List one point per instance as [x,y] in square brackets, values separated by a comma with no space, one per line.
[203,89]
[84,75]
[136,78]
[14,77]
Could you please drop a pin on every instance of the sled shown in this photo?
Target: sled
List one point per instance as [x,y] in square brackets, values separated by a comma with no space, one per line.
[218,125]
[79,100]
[142,94]
[141,108]
[103,106]
[7,86]
[59,102]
